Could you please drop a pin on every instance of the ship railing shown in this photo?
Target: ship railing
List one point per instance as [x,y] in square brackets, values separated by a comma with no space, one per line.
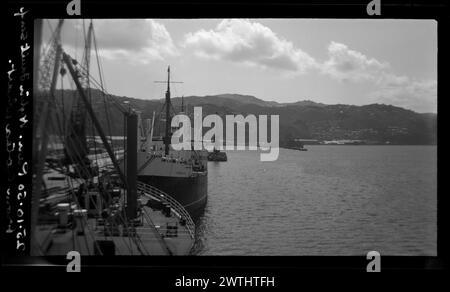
[152,191]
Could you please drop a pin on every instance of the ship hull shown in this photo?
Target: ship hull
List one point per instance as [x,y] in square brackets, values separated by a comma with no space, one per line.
[191,192]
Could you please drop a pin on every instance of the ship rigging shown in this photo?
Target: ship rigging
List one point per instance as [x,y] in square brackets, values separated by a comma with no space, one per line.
[181,173]
[95,209]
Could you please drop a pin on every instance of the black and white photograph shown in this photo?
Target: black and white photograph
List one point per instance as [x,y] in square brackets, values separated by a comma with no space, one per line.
[240,136]
[356,166]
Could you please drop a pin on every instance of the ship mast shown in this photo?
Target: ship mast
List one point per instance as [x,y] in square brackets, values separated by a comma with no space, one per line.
[68,61]
[52,59]
[77,149]
[55,59]
[130,179]
[182,104]
[167,104]
[168,120]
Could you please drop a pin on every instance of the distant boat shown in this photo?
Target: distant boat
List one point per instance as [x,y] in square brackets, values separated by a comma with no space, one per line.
[217,155]
[294,145]
[297,148]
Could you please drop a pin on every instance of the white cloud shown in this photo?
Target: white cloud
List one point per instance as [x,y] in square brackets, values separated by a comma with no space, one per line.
[252,43]
[346,64]
[138,40]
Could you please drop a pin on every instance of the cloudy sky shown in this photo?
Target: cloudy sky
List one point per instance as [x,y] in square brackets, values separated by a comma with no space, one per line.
[286,60]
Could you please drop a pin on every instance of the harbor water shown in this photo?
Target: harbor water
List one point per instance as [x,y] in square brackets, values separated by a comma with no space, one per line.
[329,200]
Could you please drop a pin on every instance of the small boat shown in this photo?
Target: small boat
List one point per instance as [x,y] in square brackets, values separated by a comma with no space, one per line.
[217,155]
[297,148]
[295,145]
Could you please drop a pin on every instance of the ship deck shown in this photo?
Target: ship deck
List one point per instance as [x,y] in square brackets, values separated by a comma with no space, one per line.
[150,239]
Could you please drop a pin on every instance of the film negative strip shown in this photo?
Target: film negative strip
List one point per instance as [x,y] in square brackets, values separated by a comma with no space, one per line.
[202,137]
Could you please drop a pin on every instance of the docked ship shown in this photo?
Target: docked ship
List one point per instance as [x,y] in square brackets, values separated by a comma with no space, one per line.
[182,174]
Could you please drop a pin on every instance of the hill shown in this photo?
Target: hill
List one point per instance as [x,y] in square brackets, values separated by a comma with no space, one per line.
[374,123]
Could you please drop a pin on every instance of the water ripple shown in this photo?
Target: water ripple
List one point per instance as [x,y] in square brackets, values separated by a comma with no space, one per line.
[331,200]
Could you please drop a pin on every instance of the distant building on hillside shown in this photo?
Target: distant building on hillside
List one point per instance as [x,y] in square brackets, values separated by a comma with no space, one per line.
[344,142]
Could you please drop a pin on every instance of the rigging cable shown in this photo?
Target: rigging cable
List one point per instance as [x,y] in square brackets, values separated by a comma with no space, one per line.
[52,125]
[78,173]
[103,85]
[61,131]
